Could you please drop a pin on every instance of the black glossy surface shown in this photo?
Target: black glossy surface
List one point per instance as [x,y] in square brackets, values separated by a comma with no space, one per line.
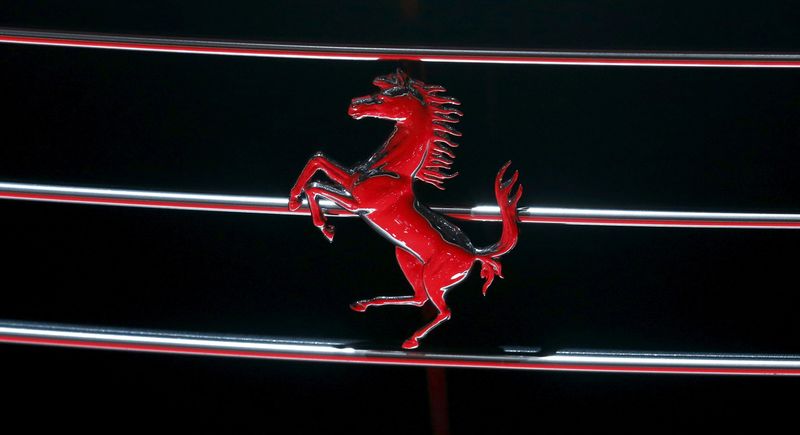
[709,139]
[605,24]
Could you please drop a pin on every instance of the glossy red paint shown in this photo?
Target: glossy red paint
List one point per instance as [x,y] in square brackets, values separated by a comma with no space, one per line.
[433,253]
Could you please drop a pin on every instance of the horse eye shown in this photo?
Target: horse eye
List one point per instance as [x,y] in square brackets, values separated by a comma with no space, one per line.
[393,92]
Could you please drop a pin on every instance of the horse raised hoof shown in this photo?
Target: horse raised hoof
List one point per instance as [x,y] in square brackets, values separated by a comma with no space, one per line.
[295,202]
[359,306]
[411,343]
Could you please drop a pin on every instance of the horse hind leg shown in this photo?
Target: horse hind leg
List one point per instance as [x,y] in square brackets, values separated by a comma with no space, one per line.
[437,281]
[412,269]
[444,315]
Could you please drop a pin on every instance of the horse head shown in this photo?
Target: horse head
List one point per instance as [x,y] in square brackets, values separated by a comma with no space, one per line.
[420,108]
[398,99]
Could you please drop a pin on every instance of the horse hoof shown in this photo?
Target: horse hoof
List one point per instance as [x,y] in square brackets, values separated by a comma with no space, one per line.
[358,306]
[294,203]
[410,344]
[328,231]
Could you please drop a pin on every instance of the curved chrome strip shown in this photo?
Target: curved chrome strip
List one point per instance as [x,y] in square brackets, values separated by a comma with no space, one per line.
[372,53]
[48,334]
[275,205]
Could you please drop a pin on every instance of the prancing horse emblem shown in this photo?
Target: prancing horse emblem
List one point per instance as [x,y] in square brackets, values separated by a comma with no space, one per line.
[434,254]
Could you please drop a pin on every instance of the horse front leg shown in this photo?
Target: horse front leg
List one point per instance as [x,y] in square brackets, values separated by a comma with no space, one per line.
[340,198]
[318,162]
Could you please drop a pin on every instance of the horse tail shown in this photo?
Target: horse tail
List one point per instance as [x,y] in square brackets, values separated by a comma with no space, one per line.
[490,266]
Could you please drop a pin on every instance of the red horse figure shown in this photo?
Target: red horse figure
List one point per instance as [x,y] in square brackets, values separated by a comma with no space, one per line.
[433,253]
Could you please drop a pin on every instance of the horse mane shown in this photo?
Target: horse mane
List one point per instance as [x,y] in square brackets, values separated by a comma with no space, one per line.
[439,156]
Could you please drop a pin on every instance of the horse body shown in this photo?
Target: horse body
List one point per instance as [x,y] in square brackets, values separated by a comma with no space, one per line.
[433,254]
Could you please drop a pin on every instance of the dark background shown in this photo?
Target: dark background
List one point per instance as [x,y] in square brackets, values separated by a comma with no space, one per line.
[652,138]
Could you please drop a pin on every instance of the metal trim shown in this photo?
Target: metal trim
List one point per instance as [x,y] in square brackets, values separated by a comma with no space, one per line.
[277,205]
[374,53]
[49,334]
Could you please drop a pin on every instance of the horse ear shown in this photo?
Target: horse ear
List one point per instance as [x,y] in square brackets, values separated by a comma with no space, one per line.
[402,77]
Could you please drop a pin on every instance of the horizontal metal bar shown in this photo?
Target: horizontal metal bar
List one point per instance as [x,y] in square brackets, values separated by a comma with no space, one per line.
[47,334]
[275,205]
[374,53]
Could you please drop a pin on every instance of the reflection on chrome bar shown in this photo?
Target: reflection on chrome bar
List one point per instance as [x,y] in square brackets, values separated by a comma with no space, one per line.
[298,349]
[483,213]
